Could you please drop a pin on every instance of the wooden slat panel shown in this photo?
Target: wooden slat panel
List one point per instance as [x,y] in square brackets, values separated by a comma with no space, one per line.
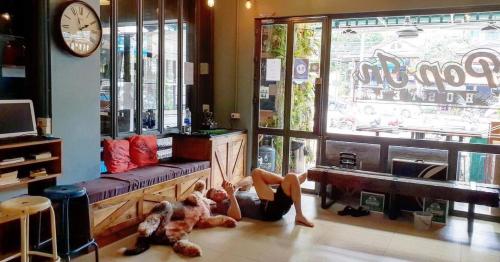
[100,214]
[115,216]
[111,215]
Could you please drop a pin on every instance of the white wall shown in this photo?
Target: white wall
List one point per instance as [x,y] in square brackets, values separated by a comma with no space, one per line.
[234,49]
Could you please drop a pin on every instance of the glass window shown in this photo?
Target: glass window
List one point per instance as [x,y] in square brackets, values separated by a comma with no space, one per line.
[306,69]
[171,64]
[272,76]
[105,69]
[126,64]
[302,157]
[420,77]
[188,53]
[150,54]
[270,153]
[479,168]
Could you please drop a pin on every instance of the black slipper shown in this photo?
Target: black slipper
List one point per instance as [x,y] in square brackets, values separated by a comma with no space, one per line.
[347,211]
[361,211]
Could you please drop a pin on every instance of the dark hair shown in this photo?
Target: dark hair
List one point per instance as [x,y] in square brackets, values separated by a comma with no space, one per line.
[209,192]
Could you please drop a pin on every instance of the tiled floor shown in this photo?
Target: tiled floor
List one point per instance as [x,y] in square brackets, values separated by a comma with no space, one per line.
[335,238]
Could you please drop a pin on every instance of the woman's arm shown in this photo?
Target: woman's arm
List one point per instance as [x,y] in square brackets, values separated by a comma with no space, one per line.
[234,208]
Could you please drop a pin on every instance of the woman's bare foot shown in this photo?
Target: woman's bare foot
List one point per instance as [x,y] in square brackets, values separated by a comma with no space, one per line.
[301,220]
[244,184]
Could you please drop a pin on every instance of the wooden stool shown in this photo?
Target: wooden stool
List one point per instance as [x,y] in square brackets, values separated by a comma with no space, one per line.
[23,207]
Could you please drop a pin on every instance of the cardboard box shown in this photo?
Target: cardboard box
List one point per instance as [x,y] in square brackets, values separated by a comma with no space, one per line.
[372,201]
[439,208]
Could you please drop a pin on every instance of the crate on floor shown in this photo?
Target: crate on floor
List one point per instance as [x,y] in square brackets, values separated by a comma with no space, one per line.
[439,209]
[374,202]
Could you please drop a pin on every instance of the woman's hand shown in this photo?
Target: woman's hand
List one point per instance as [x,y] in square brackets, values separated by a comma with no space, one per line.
[228,187]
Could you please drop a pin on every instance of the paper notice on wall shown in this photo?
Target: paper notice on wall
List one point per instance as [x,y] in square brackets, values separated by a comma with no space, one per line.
[264,92]
[273,69]
[188,73]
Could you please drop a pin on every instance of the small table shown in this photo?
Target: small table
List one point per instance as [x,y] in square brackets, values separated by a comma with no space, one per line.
[474,194]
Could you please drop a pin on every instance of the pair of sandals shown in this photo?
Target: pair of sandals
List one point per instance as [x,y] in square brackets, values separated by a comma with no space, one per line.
[354,212]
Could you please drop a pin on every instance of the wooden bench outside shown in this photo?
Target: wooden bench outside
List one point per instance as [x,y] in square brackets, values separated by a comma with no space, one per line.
[474,194]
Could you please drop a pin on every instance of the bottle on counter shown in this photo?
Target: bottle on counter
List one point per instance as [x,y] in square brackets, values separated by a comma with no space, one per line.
[187,121]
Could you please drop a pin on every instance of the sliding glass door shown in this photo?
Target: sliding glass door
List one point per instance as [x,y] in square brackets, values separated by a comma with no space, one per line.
[287,87]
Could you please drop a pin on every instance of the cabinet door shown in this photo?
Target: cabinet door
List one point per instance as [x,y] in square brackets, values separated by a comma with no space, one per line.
[219,161]
[237,157]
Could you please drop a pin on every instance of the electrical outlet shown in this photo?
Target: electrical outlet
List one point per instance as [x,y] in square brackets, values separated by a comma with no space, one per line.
[205,107]
[235,115]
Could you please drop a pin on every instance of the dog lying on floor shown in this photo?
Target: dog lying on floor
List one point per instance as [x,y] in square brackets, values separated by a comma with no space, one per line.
[169,224]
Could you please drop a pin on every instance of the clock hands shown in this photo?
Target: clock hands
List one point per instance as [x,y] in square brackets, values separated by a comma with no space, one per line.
[84,27]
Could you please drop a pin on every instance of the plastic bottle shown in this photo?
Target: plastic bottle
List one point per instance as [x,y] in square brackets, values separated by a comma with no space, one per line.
[187,121]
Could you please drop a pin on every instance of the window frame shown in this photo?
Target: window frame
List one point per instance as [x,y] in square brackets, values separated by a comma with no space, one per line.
[160,130]
[323,136]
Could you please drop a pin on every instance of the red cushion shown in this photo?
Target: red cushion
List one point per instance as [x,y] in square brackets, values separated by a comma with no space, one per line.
[143,150]
[117,156]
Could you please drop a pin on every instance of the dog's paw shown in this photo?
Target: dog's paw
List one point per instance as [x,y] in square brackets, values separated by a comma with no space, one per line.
[187,248]
[149,225]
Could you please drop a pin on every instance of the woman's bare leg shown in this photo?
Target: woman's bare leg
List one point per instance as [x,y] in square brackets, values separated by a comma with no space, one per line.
[302,177]
[291,187]
[262,179]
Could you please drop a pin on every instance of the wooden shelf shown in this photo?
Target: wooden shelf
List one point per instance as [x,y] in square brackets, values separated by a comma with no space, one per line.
[29,162]
[18,144]
[27,180]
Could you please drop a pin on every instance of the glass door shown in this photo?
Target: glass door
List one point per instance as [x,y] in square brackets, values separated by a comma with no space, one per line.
[287,86]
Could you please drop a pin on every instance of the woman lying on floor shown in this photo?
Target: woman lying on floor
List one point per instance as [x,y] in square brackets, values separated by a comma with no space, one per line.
[266,205]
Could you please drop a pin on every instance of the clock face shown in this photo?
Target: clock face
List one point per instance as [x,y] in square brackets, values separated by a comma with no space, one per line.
[80,29]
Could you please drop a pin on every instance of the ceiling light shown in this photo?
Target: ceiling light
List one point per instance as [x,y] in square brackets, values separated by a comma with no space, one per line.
[248,4]
[6,16]
[211,3]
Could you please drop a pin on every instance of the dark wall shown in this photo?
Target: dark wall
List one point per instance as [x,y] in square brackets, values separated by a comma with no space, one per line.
[75,105]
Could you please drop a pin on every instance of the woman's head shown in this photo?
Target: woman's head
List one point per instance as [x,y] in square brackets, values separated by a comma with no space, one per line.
[217,195]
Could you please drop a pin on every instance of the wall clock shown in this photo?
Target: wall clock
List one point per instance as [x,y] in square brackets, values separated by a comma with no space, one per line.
[80,29]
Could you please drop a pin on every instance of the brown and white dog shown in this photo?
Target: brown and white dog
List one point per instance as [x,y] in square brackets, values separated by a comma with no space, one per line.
[169,224]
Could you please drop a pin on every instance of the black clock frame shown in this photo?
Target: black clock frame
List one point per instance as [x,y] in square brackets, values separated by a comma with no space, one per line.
[61,37]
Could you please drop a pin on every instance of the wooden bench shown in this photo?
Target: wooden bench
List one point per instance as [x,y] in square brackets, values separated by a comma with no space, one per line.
[112,215]
[474,194]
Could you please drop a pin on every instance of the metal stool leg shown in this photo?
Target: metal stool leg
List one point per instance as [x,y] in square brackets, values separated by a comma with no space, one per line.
[96,250]
[65,226]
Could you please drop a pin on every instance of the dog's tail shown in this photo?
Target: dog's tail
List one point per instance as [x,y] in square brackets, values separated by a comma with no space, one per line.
[141,246]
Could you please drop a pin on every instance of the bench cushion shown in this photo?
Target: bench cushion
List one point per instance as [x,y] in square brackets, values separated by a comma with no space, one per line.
[104,188]
[110,185]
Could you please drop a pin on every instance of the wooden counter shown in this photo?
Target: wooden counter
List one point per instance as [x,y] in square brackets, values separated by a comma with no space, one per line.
[227,154]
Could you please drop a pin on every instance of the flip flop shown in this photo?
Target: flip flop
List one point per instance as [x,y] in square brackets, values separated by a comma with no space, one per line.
[360,212]
[346,211]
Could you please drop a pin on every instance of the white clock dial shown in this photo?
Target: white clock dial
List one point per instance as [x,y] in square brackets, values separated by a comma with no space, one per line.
[80,29]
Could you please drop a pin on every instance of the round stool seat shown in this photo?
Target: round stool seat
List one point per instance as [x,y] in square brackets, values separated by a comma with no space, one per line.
[27,204]
[64,192]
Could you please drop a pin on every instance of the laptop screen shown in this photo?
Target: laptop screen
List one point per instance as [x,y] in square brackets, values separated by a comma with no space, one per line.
[16,118]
